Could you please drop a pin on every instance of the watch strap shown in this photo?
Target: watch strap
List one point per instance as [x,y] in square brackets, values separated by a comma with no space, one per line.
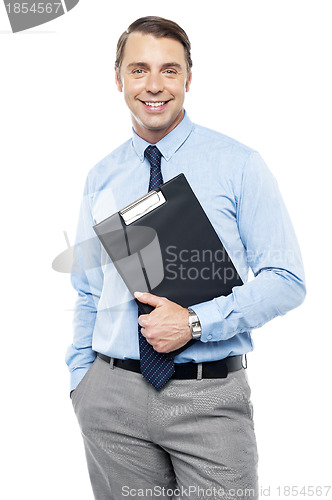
[194,324]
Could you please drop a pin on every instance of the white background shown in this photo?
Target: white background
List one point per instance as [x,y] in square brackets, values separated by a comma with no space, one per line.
[262,74]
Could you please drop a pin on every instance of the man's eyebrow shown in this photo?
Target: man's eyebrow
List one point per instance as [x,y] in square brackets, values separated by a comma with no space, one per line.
[137,65]
[172,65]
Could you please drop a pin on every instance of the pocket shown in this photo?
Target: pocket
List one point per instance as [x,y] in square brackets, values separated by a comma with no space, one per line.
[240,378]
[80,388]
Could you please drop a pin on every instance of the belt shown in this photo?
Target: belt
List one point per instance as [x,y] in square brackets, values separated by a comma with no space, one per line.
[210,369]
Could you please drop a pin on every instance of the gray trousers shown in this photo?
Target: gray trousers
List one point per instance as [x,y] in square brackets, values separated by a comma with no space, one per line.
[194,439]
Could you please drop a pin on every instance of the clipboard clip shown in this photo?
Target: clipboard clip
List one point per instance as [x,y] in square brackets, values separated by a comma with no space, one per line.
[142,206]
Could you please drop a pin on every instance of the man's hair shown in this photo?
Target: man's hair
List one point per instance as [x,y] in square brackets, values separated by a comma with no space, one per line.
[159,28]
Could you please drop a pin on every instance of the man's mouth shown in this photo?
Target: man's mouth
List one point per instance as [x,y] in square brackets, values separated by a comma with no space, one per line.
[155,104]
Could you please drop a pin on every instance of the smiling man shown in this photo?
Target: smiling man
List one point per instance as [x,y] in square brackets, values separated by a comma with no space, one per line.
[154,76]
[156,427]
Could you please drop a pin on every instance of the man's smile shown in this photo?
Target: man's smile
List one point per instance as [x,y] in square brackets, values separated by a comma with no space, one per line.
[154,105]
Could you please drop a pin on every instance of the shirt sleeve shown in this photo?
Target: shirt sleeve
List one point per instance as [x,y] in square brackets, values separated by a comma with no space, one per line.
[272,253]
[87,279]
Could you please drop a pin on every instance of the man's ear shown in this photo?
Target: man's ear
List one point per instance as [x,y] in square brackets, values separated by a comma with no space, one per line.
[189,81]
[118,82]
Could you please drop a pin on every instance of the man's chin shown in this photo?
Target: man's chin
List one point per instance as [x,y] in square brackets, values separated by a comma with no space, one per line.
[156,124]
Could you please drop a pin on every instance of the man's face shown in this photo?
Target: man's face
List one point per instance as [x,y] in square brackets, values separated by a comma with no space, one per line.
[154,78]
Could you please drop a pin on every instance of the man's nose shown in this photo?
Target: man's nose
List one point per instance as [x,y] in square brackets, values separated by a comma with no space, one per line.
[154,82]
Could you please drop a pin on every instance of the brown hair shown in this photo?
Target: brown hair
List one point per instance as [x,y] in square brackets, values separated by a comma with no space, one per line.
[159,28]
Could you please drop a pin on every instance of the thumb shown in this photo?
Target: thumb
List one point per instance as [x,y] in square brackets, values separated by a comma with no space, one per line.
[148,298]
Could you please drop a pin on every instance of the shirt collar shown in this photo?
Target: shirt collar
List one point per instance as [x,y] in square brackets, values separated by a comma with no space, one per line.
[168,144]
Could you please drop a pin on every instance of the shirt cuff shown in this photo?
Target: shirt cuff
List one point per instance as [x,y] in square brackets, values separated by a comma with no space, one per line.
[76,376]
[209,316]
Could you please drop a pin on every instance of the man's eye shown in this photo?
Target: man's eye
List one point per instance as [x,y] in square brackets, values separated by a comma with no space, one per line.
[170,72]
[138,71]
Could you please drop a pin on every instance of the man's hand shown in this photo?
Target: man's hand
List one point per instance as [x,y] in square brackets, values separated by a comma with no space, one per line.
[166,328]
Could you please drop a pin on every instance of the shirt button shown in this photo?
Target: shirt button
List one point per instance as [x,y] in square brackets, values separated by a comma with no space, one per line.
[209,337]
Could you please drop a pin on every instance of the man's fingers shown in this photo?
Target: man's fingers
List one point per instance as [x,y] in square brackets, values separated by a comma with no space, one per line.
[142,319]
[149,298]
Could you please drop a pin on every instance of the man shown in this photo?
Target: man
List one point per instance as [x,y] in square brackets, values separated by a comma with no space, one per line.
[191,435]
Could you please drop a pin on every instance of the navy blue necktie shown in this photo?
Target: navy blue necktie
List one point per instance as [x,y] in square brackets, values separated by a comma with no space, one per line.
[156,367]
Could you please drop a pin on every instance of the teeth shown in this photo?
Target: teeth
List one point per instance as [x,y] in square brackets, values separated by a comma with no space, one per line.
[155,104]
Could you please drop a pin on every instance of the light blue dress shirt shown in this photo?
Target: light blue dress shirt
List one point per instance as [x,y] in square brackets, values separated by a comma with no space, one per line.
[242,200]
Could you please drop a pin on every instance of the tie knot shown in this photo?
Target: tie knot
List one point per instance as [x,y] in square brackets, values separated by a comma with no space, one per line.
[153,154]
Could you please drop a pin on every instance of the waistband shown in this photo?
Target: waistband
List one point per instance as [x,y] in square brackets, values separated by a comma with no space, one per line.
[207,369]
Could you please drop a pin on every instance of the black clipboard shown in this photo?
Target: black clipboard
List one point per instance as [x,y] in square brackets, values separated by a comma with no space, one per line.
[164,243]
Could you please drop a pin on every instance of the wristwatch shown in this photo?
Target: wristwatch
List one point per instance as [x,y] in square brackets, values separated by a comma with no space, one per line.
[194,325]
